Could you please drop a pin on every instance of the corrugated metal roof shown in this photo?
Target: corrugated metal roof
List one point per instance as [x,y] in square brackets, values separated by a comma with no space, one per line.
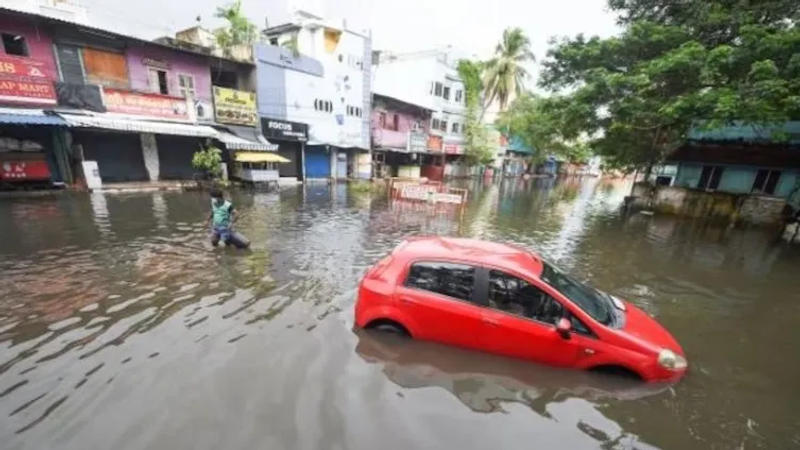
[20,116]
[235,142]
[110,122]
[744,132]
[517,145]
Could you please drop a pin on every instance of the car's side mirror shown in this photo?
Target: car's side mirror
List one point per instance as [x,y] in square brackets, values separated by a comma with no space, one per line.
[563,327]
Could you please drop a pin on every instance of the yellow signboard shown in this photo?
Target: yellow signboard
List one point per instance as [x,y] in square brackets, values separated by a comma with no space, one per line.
[235,107]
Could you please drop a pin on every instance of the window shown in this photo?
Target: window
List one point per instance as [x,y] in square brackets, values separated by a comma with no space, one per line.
[437,89]
[186,85]
[435,124]
[515,296]
[452,280]
[766,181]
[446,93]
[325,105]
[396,122]
[458,94]
[595,303]
[455,127]
[273,41]
[709,178]
[382,119]
[70,63]
[443,125]
[158,81]
[15,44]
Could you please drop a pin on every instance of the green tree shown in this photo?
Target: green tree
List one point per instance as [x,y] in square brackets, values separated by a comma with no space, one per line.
[208,160]
[476,136]
[239,31]
[676,65]
[504,76]
[539,123]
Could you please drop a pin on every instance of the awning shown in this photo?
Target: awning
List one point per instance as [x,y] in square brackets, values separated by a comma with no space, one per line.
[24,116]
[260,157]
[111,122]
[233,142]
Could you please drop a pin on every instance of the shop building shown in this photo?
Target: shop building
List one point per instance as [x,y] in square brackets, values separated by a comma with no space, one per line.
[32,149]
[429,79]
[137,109]
[324,82]
[399,137]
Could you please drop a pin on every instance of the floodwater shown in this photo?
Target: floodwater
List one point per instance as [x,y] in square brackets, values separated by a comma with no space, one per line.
[121,328]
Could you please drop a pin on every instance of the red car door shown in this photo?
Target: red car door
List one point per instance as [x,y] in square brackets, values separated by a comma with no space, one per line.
[519,321]
[440,298]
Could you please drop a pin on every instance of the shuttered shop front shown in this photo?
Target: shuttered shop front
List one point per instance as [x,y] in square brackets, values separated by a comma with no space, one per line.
[118,155]
[175,156]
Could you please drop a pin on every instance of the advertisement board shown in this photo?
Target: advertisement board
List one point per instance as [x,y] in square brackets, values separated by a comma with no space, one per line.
[435,143]
[139,104]
[24,81]
[235,107]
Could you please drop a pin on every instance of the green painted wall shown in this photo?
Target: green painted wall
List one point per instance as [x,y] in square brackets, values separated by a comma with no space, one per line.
[688,175]
[737,180]
[787,183]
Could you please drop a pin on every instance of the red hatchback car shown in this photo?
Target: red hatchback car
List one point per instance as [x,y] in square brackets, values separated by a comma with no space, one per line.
[504,299]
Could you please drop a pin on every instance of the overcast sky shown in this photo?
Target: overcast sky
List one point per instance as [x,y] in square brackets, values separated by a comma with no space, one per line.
[472,26]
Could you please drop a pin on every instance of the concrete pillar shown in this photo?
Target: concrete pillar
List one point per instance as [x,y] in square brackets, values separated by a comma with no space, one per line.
[303,161]
[150,155]
[333,162]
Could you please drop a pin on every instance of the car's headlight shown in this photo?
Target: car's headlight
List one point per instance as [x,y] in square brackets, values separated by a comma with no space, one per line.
[671,361]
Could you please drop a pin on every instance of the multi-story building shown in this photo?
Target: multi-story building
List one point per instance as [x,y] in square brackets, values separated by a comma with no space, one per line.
[429,79]
[317,73]
[399,137]
[137,109]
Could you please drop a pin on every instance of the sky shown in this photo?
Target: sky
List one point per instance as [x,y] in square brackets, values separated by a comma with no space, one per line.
[470,26]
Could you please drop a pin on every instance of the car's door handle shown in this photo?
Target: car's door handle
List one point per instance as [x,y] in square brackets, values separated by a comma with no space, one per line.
[490,321]
[407,300]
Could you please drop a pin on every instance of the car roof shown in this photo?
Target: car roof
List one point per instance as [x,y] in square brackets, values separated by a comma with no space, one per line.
[509,257]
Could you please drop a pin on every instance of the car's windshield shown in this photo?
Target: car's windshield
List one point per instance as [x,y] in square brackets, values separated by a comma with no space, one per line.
[595,303]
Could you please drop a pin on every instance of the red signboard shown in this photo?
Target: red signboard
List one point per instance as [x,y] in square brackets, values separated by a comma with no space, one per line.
[453,149]
[155,105]
[22,80]
[24,170]
[434,143]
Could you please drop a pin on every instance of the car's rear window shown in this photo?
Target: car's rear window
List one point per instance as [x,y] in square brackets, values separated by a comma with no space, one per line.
[452,280]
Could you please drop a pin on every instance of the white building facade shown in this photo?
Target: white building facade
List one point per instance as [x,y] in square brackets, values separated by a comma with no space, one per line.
[316,73]
[428,79]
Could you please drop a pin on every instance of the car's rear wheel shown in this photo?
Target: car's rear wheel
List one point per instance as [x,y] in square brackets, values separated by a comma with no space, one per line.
[388,326]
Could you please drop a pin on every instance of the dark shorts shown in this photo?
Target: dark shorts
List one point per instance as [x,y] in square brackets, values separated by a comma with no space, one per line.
[218,233]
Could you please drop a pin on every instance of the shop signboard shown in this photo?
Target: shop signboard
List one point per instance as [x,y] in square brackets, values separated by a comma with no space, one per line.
[435,143]
[235,107]
[284,130]
[24,170]
[453,149]
[417,142]
[23,80]
[139,104]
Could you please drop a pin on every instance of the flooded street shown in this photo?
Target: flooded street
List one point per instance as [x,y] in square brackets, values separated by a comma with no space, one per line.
[120,327]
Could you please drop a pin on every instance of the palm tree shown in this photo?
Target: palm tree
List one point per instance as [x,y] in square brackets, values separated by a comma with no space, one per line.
[504,77]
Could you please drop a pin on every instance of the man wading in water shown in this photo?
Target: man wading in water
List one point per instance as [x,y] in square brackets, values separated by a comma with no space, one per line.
[221,219]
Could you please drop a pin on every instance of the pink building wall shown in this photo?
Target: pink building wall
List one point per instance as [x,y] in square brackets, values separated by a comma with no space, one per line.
[40,45]
[179,63]
[383,136]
